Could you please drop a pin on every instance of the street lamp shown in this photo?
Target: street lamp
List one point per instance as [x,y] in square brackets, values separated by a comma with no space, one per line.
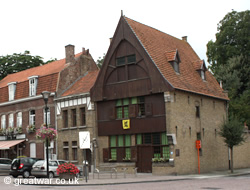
[46,98]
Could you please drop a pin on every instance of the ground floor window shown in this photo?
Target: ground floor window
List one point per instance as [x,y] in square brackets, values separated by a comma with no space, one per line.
[120,147]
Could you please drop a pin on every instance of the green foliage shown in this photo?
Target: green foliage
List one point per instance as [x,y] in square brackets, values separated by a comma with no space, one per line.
[232,132]
[100,60]
[229,61]
[18,62]
[232,39]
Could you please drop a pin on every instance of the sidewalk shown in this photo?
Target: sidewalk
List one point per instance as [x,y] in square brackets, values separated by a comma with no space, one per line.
[105,179]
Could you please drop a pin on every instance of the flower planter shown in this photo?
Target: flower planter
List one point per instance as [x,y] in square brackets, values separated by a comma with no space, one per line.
[67,176]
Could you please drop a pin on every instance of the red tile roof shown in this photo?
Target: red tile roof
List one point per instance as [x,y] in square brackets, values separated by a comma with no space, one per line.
[47,79]
[157,44]
[83,85]
[170,55]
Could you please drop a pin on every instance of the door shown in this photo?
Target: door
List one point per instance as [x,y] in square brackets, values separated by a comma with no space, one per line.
[144,161]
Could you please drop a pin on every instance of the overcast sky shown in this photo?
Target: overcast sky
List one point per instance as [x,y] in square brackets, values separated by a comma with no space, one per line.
[44,27]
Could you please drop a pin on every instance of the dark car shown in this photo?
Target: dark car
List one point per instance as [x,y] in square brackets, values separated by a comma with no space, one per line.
[22,166]
[5,164]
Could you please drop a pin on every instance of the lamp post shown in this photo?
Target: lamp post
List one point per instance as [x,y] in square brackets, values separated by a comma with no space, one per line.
[45,95]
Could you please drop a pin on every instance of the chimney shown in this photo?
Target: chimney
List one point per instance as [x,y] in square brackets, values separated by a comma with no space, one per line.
[70,53]
[184,38]
[110,40]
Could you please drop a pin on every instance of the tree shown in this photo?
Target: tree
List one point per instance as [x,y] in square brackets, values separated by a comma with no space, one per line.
[229,59]
[232,39]
[100,61]
[233,134]
[18,62]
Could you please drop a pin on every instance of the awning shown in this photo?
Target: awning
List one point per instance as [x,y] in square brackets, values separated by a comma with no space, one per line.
[7,144]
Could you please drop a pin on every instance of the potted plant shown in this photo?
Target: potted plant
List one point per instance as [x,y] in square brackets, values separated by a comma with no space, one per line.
[2,132]
[9,130]
[18,130]
[43,133]
[67,171]
[30,128]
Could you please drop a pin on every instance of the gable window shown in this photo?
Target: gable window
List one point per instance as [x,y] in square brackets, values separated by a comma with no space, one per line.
[125,60]
[19,119]
[83,116]
[11,120]
[48,116]
[73,117]
[12,90]
[32,85]
[3,122]
[32,117]
[65,118]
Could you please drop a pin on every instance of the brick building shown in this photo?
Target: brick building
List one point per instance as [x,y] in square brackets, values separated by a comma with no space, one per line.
[155,98]
[22,106]
[75,113]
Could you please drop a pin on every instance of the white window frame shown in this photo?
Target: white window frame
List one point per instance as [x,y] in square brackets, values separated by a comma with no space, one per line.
[32,117]
[48,116]
[12,90]
[19,119]
[32,85]
[11,120]
[3,122]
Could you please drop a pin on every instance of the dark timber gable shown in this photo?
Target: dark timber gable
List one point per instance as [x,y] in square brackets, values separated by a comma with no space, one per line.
[127,71]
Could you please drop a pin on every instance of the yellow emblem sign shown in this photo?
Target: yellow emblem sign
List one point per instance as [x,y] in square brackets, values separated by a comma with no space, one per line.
[126,124]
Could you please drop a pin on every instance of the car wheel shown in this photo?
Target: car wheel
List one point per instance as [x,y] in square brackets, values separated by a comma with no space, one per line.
[15,176]
[51,174]
[26,174]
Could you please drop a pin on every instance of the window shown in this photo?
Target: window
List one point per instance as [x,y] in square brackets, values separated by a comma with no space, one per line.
[197,108]
[12,89]
[125,60]
[203,75]
[65,118]
[176,66]
[74,150]
[3,122]
[122,108]
[32,117]
[11,120]
[73,116]
[19,119]
[66,150]
[48,116]
[120,147]
[32,85]
[158,141]
[83,116]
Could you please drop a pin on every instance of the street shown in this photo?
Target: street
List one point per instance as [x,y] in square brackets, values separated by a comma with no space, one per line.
[227,183]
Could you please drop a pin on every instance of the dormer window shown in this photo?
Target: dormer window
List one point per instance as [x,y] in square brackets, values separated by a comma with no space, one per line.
[32,85]
[12,90]
[174,59]
[203,75]
[201,68]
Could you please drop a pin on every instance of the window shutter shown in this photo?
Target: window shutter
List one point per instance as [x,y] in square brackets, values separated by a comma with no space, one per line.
[112,113]
[105,154]
[132,111]
[134,154]
[148,108]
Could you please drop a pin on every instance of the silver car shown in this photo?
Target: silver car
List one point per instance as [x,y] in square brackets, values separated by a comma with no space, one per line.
[39,169]
[5,164]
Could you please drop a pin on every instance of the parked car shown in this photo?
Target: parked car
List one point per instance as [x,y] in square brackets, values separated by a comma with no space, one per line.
[5,164]
[22,166]
[39,169]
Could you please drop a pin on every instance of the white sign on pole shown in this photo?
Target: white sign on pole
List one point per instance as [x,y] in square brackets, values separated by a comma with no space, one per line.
[84,139]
